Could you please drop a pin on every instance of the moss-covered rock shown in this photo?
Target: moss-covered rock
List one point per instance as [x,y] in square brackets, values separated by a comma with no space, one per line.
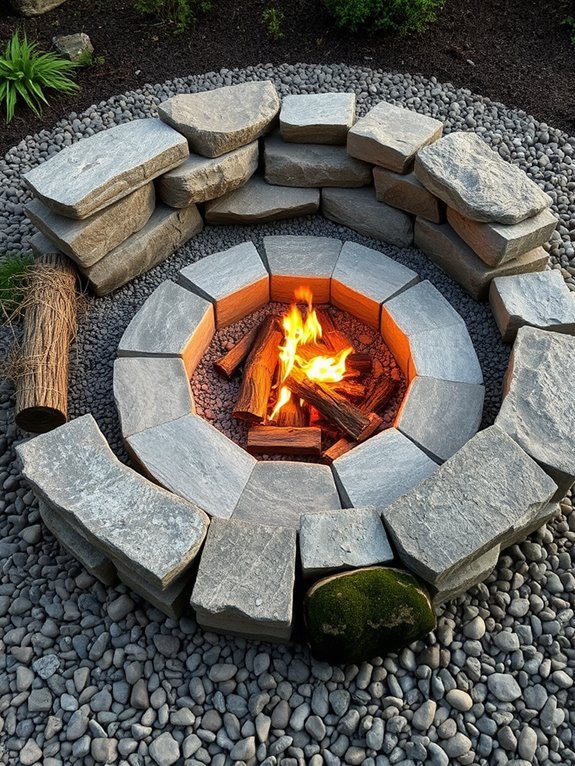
[358,615]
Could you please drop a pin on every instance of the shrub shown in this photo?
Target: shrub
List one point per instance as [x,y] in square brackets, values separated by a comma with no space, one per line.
[13,273]
[25,73]
[400,16]
[182,13]
[272,19]
[569,22]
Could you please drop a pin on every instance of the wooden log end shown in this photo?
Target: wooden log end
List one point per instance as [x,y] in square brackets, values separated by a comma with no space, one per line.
[40,420]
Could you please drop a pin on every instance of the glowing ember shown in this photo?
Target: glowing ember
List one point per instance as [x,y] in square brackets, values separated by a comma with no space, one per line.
[299,332]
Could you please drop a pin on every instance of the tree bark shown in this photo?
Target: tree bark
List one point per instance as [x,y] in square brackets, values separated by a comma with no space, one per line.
[274,440]
[259,369]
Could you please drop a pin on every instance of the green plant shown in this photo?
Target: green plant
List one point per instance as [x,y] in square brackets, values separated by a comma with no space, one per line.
[182,13]
[272,19]
[13,274]
[25,73]
[88,59]
[399,16]
[569,22]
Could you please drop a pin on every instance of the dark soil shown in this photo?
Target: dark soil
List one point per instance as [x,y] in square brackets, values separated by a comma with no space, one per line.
[514,51]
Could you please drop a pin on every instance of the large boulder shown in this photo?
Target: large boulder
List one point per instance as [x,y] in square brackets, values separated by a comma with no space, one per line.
[463,171]
[221,120]
[366,613]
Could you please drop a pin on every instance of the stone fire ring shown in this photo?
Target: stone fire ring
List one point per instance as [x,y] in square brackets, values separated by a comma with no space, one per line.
[165,341]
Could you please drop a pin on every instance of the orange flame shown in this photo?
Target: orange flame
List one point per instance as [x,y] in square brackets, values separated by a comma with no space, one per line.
[298,331]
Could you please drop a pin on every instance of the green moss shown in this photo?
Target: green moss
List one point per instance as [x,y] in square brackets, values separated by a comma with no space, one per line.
[358,615]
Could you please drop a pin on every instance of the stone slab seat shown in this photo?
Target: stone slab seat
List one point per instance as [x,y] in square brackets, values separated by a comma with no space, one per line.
[133,521]
[99,170]
[490,492]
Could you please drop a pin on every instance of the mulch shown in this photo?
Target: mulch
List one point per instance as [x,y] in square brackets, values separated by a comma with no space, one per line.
[514,51]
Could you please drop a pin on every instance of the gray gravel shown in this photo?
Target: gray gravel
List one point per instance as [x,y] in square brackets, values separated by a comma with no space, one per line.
[131,686]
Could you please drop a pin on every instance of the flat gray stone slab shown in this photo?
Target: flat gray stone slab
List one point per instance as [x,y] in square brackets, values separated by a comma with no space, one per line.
[497,243]
[539,300]
[312,165]
[173,322]
[162,235]
[359,210]
[254,596]
[41,245]
[440,416]
[380,470]
[390,136]
[92,559]
[279,492]
[407,193]
[300,261]
[336,540]
[149,391]
[459,513]
[419,309]
[258,202]
[132,520]
[537,411]
[87,241]
[469,176]
[446,354]
[172,601]
[317,118]
[94,173]
[235,281]
[194,460]
[219,121]
[448,251]
[468,575]
[363,279]
[202,178]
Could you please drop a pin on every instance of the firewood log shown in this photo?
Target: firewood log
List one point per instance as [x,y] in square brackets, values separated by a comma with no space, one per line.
[228,364]
[273,440]
[259,369]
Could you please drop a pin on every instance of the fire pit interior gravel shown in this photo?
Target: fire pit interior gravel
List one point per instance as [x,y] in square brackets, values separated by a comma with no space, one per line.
[406,479]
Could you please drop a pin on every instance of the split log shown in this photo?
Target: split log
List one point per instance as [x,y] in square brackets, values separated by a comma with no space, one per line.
[349,388]
[335,340]
[362,363]
[293,414]
[259,369]
[273,440]
[228,364]
[332,405]
[50,323]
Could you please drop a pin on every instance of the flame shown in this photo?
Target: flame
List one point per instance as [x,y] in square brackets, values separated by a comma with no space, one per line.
[300,330]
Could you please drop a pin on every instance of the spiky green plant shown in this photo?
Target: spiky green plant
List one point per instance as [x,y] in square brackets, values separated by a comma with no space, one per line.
[14,268]
[25,73]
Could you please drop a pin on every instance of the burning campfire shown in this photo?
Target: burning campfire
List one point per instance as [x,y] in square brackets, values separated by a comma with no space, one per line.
[305,390]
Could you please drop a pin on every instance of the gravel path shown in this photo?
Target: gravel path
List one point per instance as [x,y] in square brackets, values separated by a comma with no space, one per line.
[95,675]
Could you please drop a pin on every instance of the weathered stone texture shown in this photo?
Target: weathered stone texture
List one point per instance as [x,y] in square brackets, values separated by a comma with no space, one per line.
[537,411]
[317,118]
[77,47]
[225,599]
[440,416]
[87,241]
[497,243]
[218,121]
[468,575]
[149,391]
[540,300]
[469,176]
[300,261]
[448,251]
[235,281]
[199,178]
[93,173]
[390,136]
[172,322]
[407,193]
[279,492]
[34,7]
[446,354]
[458,513]
[258,202]
[72,470]
[312,165]
[359,209]
[380,470]
[364,278]
[344,539]
[194,460]
[166,230]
